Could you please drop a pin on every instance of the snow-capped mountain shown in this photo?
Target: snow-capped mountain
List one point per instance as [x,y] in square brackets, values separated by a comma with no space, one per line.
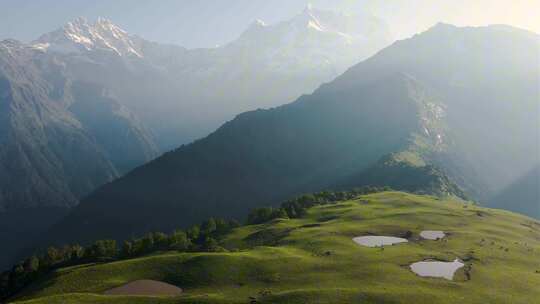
[194,91]
[314,39]
[78,36]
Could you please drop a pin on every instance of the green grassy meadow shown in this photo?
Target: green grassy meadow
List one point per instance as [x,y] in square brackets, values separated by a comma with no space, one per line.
[314,260]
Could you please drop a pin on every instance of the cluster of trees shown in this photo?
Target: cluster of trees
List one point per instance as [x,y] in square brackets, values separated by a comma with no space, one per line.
[203,237]
[297,207]
[33,267]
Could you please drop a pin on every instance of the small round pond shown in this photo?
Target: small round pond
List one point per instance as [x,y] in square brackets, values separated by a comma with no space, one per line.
[432,235]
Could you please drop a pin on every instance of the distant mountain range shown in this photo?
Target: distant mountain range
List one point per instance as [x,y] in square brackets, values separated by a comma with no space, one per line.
[451,111]
[93,92]
[84,104]
[183,94]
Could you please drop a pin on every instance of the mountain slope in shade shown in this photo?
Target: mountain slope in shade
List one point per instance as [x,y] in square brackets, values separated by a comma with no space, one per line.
[405,174]
[522,196]
[42,144]
[57,142]
[124,138]
[259,158]
[51,136]
[487,78]
[21,229]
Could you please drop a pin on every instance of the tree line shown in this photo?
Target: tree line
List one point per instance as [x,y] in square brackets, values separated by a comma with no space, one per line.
[198,238]
[297,207]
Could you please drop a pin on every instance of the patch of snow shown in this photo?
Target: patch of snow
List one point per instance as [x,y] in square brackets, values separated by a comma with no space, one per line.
[41,46]
[260,22]
[315,25]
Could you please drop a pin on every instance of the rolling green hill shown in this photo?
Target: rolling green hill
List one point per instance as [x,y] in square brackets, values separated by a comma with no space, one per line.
[314,260]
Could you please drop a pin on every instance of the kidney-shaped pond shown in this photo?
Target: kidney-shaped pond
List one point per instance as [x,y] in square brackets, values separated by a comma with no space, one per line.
[437,269]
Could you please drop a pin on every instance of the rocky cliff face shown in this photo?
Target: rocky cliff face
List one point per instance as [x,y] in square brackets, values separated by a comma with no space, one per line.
[57,142]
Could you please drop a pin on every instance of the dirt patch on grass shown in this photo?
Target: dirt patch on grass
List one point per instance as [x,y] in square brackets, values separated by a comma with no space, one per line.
[145,288]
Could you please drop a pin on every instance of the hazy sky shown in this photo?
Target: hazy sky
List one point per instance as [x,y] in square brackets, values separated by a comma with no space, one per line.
[203,23]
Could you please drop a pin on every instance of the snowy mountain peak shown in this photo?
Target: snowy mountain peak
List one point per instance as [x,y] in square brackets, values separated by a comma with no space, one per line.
[256,25]
[308,19]
[79,36]
[80,22]
[104,21]
[313,39]
[259,23]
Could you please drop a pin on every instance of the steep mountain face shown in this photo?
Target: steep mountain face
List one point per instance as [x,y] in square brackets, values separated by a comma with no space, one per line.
[60,138]
[442,99]
[125,140]
[41,142]
[56,143]
[488,80]
[521,196]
